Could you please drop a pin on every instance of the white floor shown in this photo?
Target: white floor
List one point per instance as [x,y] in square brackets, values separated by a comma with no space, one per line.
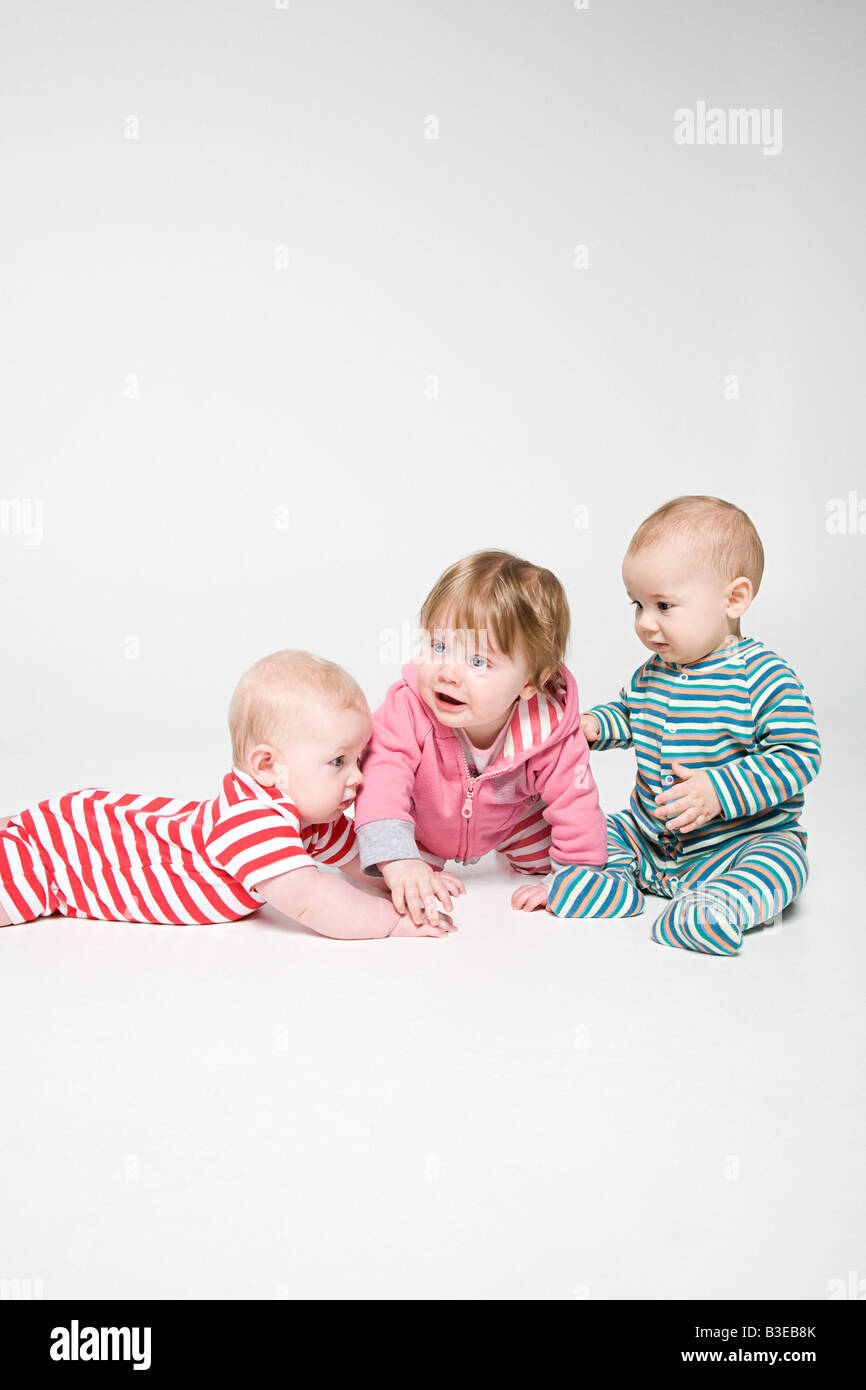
[531,1108]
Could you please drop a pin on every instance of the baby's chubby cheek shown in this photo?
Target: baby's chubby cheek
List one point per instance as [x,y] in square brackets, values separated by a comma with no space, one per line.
[425,683]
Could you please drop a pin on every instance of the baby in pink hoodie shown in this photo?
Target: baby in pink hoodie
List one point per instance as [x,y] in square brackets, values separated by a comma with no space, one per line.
[479,746]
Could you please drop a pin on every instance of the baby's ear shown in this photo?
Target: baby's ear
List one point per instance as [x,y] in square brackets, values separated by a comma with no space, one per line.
[262,765]
[740,594]
[543,680]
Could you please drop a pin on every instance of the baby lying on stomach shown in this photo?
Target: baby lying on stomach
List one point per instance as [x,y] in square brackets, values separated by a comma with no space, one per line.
[299,725]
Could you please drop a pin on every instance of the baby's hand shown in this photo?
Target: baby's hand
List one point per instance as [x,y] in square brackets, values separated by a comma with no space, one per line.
[590,727]
[406,927]
[692,801]
[529,897]
[417,889]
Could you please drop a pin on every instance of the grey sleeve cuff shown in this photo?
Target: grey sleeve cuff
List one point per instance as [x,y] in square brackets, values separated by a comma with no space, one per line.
[385,839]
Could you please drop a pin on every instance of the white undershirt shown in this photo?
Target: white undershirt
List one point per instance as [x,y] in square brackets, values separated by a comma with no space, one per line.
[480,757]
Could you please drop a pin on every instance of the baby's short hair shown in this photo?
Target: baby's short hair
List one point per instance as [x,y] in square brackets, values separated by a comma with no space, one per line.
[522,606]
[270,694]
[721,532]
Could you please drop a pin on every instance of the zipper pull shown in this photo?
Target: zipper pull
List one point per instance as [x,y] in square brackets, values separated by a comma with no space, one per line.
[466,808]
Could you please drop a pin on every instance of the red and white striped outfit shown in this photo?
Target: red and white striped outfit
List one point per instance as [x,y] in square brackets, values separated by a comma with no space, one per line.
[153,859]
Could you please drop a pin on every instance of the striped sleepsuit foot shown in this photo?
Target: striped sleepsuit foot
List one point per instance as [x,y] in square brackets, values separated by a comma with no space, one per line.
[715,898]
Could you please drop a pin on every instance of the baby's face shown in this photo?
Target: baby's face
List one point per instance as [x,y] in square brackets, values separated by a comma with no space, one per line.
[317,762]
[468,683]
[681,605]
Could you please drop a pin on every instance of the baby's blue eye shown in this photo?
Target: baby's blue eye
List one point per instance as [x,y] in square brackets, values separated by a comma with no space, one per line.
[338,762]
[478,658]
[438,647]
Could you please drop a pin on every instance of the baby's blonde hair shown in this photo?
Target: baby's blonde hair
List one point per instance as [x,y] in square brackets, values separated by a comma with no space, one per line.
[271,693]
[522,606]
[723,534]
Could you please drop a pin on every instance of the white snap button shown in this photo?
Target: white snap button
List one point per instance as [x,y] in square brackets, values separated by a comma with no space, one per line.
[674,882]
[667,781]
[683,677]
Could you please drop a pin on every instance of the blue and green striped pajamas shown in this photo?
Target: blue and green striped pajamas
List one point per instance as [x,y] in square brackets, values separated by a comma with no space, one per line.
[742,715]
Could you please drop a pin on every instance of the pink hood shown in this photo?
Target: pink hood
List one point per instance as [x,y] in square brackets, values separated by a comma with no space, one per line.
[415,770]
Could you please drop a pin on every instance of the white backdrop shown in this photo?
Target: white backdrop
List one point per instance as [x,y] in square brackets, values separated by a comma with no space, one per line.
[301,303]
[275,355]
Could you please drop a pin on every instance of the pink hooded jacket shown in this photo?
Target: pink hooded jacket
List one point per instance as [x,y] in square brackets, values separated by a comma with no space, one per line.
[415,771]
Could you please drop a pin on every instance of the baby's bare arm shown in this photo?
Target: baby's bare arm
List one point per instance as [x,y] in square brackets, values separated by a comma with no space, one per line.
[355,874]
[327,905]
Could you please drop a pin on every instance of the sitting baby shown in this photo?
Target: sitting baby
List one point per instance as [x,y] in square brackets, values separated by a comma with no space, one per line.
[725,739]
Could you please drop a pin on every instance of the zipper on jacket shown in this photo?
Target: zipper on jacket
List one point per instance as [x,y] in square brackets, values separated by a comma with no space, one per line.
[471,784]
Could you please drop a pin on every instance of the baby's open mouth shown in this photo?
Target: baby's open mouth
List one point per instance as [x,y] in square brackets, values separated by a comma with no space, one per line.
[449,700]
